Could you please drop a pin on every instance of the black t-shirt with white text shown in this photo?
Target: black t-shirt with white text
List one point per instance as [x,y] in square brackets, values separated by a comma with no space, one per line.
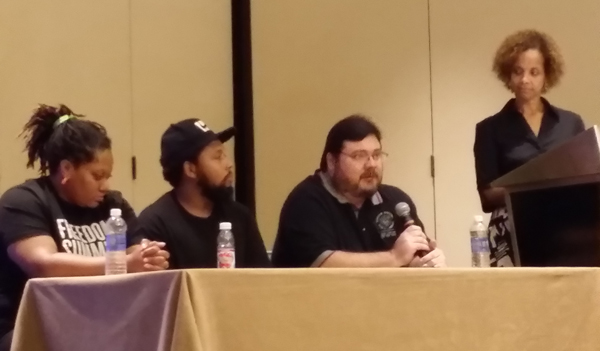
[192,241]
[33,209]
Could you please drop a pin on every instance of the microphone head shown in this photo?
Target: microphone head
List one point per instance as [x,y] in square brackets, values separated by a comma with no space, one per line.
[402,209]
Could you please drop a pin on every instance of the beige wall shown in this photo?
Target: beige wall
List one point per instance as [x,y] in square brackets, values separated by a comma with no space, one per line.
[138,65]
[318,61]
[463,41]
[71,52]
[181,69]
[135,66]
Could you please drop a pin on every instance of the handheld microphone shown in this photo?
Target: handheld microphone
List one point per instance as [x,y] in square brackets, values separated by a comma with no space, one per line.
[403,211]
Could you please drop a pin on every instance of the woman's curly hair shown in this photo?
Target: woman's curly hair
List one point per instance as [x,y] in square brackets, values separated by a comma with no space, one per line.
[519,42]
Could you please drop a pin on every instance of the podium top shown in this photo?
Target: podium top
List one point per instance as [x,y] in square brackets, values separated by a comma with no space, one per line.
[575,161]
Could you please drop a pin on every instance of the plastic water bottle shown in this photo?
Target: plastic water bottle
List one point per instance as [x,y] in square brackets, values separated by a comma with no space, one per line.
[116,243]
[480,248]
[225,246]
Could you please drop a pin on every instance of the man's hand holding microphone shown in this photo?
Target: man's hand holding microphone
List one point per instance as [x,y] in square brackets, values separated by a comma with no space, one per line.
[412,247]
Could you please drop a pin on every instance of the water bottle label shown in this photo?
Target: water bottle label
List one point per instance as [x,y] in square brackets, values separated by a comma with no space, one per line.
[226,258]
[116,242]
[480,245]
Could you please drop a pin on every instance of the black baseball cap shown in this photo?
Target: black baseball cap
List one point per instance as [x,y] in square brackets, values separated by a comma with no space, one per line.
[184,140]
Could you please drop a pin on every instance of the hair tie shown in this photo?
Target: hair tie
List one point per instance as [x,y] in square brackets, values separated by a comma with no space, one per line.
[62,119]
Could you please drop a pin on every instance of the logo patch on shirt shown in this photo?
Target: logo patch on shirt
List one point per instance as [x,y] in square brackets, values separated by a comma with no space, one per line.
[385,224]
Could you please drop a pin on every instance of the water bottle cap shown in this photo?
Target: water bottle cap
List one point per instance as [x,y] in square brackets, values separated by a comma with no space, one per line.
[224,226]
[478,218]
[115,212]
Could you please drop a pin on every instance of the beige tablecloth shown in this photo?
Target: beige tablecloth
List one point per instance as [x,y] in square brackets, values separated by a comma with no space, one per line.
[315,309]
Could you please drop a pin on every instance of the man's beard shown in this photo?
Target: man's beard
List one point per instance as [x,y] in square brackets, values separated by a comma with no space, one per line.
[344,185]
[215,193]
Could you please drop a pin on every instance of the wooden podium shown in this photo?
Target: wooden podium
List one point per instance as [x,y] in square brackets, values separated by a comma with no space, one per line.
[554,205]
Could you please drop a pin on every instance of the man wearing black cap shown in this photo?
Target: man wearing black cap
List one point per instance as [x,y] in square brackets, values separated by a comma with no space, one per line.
[342,216]
[187,218]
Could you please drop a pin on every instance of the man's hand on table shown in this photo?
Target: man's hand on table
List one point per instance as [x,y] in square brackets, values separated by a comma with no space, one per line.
[148,256]
[435,258]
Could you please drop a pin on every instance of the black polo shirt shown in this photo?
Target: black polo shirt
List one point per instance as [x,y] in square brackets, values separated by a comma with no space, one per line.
[192,241]
[315,221]
[505,141]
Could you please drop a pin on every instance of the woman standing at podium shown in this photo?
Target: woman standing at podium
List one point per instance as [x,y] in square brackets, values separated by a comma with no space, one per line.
[529,64]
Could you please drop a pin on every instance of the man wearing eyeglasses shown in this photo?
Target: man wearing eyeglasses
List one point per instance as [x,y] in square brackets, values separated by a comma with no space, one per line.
[342,216]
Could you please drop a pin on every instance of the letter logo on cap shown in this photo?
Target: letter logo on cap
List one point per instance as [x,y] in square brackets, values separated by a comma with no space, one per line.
[202,126]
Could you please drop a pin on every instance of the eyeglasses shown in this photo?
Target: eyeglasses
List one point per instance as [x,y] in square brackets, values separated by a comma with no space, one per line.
[363,156]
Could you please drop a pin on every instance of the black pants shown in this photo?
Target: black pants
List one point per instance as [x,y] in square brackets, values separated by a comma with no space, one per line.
[5,341]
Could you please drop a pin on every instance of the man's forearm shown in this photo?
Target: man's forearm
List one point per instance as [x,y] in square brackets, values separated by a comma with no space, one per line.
[359,259]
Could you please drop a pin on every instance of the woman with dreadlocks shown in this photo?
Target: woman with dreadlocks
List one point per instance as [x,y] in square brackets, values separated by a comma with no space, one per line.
[53,226]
